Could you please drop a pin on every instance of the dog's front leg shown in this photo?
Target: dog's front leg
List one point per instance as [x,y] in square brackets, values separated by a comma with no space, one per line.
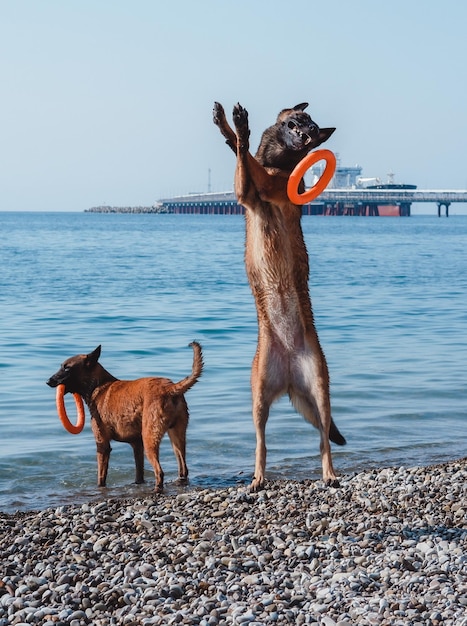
[253,184]
[219,119]
[244,184]
[138,453]
[103,455]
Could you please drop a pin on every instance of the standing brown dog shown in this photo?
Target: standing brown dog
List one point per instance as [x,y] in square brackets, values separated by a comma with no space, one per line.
[138,412]
[289,358]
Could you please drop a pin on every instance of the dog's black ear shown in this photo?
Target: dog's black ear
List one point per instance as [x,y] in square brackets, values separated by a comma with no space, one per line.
[300,107]
[93,356]
[325,133]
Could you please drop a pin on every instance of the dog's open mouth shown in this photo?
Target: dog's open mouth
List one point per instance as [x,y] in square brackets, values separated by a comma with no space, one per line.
[306,139]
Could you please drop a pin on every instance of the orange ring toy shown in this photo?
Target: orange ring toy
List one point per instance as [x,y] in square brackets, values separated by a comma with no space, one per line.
[299,171]
[62,414]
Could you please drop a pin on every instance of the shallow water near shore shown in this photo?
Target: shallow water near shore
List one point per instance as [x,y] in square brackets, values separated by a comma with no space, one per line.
[389,303]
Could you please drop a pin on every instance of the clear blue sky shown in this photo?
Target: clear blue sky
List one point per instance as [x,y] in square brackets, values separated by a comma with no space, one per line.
[110,101]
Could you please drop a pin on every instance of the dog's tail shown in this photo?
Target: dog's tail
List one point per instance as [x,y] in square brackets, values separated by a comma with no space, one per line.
[186,383]
[335,435]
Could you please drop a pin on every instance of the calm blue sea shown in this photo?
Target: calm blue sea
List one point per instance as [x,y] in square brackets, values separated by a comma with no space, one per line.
[390,303]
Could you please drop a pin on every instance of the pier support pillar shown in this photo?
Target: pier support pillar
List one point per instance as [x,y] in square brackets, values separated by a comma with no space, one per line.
[445,204]
[404,209]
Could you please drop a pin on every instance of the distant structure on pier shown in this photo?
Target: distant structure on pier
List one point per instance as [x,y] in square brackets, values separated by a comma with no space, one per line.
[347,194]
[350,179]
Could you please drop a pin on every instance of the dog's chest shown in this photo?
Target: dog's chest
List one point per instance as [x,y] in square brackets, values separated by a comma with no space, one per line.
[277,268]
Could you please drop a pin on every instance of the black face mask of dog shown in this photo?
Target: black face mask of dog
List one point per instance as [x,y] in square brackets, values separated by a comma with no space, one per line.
[290,139]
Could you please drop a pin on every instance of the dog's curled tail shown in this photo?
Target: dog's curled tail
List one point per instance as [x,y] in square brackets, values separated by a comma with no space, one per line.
[187,383]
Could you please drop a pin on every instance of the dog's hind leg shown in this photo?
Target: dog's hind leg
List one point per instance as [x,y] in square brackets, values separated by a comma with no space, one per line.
[152,432]
[138,452]
[309,394]
[268,383]
[152,452]
[316,410]
[177,435]
[260,418]
[263,394]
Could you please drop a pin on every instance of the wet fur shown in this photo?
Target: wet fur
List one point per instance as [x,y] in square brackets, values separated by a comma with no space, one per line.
[138,412]
[289,359]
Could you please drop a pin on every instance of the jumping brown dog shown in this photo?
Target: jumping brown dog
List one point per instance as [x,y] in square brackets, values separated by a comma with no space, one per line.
[138,412]
[288,358]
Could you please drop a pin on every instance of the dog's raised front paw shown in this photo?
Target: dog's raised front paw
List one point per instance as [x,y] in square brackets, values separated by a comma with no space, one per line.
[240,118]
[218,114]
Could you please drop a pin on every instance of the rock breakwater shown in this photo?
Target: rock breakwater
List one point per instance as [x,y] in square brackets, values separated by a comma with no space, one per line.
[155,208]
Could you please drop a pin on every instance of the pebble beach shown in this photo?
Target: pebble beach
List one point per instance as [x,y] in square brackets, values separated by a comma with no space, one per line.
[388,546]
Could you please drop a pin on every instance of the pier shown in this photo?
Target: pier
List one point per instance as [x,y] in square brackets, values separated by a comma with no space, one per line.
[331,202]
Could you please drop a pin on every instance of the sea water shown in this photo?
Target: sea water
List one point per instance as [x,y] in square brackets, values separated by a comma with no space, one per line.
[390,304]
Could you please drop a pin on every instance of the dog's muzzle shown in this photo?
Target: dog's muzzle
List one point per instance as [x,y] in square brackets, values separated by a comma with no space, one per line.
[303,136]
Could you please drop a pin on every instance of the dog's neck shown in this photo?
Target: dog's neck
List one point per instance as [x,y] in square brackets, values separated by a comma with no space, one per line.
[282,161]
[96,378]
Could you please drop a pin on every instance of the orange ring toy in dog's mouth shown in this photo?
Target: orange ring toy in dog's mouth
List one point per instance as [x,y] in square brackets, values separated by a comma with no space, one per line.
[299,171]
[62,414]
